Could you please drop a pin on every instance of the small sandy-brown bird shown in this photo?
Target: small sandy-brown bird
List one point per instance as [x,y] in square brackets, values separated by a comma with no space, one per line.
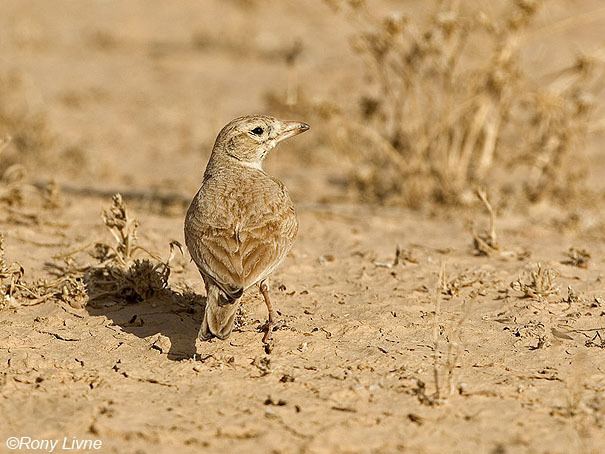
[241,223]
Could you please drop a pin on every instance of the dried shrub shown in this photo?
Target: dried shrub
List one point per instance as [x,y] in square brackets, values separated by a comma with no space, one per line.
[51,195]
[15,291]
[597,340]
[137,282]
[12,183]
[24,203]
[10,276]
[445,360]
[577,257]
[449,107]
[124,231]
[537,284]
[72,290]
[120,274]
[486,243]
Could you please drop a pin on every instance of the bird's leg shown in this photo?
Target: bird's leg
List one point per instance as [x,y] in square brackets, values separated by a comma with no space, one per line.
[265,292]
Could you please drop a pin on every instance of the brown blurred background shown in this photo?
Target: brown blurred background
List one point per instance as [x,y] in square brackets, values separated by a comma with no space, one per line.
[132,94]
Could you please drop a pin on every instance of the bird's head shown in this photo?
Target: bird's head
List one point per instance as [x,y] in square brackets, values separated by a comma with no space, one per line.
[248,139]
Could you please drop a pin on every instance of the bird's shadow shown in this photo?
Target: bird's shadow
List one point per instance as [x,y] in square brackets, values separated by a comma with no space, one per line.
[176,315]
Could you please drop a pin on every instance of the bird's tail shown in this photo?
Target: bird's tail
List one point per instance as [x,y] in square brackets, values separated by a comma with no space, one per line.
[219,313]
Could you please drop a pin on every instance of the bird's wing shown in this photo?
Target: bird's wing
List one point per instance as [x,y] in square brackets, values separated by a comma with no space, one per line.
[263,246]
[216,254]
[238,259]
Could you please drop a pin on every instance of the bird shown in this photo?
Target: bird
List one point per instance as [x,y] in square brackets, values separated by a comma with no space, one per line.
[241,224]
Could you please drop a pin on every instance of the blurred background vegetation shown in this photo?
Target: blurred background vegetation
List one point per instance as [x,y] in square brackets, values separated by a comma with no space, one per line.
[412,103]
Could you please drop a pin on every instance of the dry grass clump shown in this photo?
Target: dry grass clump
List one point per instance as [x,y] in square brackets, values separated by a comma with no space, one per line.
[11,178]
[137,282]
[119,273]
[486,243]
[10,276]
[12,185]
[445,360]
[16,192]
[123,230]
[71,290]
[577,257]
[24,203]
[15,291]
[449,106]
[539,283]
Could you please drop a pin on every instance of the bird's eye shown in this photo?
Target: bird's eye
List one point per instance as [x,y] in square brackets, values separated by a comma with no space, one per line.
[257,131]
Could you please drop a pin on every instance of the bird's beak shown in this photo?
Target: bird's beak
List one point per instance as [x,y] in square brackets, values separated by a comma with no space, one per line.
[290,129]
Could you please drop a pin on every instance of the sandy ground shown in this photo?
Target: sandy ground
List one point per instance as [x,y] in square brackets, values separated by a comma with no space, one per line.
[369,356]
